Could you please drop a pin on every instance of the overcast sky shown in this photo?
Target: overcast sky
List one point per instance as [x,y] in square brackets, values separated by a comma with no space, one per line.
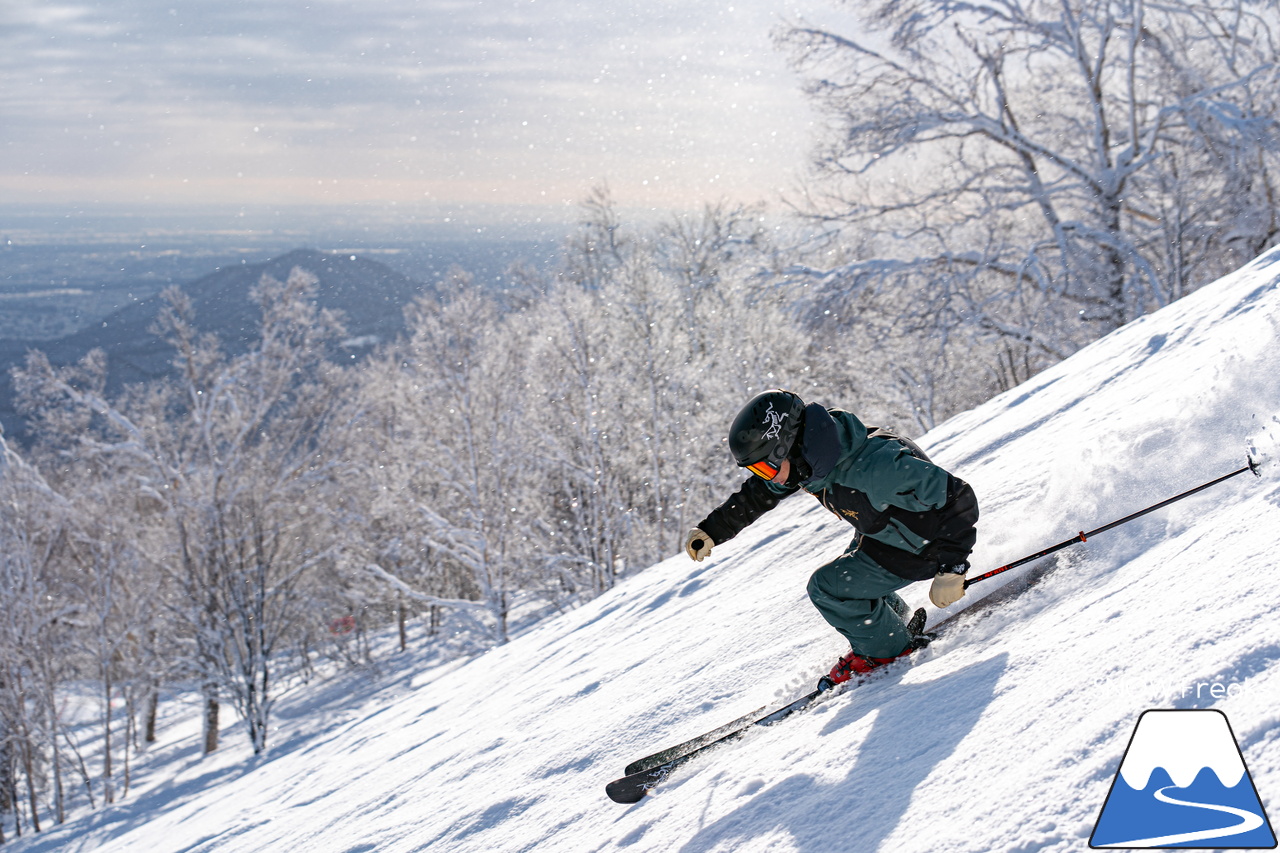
[451,102]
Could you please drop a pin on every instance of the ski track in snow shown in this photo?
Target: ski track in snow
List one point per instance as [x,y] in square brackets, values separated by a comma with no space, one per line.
[1005,735]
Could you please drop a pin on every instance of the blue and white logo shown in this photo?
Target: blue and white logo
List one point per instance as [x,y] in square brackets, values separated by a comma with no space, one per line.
[1183,783]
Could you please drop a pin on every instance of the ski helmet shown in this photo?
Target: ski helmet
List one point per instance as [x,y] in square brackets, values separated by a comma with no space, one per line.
[766,428]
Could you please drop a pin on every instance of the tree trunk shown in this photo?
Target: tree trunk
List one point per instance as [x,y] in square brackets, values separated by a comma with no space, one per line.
[1117,270]
[9,797]
[404,640]
[256,708]
[6,777]
[130,735]
[59,806]
[29,768]
[153,702]
[210,720]
[108,796]
[6,770]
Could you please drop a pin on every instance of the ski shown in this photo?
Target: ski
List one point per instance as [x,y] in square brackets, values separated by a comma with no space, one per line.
[746,721]
[633,787]
[645,774]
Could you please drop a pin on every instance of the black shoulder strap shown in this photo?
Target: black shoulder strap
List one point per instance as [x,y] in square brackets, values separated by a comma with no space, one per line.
[881,432]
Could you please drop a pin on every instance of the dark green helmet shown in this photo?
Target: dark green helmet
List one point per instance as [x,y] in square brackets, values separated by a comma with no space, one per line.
[766,428]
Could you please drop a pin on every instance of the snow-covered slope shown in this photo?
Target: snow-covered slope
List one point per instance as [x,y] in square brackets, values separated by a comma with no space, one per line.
[1005,735]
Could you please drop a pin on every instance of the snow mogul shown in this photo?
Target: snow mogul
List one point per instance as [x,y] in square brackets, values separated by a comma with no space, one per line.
[914,521]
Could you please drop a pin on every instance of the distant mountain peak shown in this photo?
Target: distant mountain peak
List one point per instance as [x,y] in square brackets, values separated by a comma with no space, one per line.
[369,296]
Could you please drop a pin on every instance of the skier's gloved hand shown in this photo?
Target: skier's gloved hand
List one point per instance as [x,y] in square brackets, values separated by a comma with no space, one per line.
[948,585]
[698,545]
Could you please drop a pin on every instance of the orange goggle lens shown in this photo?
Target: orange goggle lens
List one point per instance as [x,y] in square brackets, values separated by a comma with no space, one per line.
[763,469]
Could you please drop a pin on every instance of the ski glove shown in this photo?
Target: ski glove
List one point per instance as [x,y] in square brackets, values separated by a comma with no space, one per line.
[698,545]
[948,585]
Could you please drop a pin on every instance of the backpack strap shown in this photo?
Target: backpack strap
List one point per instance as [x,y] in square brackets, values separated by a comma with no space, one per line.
[912,447]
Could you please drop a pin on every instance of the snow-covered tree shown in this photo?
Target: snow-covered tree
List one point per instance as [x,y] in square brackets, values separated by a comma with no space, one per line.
[229,466]
[455,400]
[1041,171]
[38,617]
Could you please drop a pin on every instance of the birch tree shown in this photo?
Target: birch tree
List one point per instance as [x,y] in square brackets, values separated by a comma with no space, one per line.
[38,616]
[1041,171]
[461,417]
[230,464]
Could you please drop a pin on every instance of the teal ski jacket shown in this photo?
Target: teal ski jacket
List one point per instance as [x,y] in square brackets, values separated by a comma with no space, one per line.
[911,516]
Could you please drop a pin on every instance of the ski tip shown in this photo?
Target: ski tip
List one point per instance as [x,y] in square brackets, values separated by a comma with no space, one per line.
[625,792]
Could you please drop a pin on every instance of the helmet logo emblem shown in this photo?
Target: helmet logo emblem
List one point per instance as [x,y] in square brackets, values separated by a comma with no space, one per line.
[774,421]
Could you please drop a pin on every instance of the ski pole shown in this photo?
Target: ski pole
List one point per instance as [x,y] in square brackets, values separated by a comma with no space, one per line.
[1083,536]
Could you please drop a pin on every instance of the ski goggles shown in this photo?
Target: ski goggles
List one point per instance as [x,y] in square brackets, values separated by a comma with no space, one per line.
[763,468]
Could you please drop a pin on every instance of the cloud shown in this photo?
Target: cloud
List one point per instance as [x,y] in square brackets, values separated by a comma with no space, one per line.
[499,97]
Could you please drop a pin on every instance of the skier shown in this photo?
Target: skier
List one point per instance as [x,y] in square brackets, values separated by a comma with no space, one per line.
[914,521]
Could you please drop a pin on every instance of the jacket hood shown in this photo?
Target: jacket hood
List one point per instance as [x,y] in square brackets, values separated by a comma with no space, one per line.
[830,436]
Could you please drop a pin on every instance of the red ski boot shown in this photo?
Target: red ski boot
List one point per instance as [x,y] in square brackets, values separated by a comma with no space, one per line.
[856,664]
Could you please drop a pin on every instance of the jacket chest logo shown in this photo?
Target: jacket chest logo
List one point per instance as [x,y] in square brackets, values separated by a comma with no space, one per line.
[853,506]
[830,501]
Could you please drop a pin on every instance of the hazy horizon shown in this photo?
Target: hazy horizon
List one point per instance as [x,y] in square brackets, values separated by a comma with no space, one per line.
[450,105]
[41,221]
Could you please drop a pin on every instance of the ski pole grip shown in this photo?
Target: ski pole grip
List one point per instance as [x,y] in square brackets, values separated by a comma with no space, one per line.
[697,544]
